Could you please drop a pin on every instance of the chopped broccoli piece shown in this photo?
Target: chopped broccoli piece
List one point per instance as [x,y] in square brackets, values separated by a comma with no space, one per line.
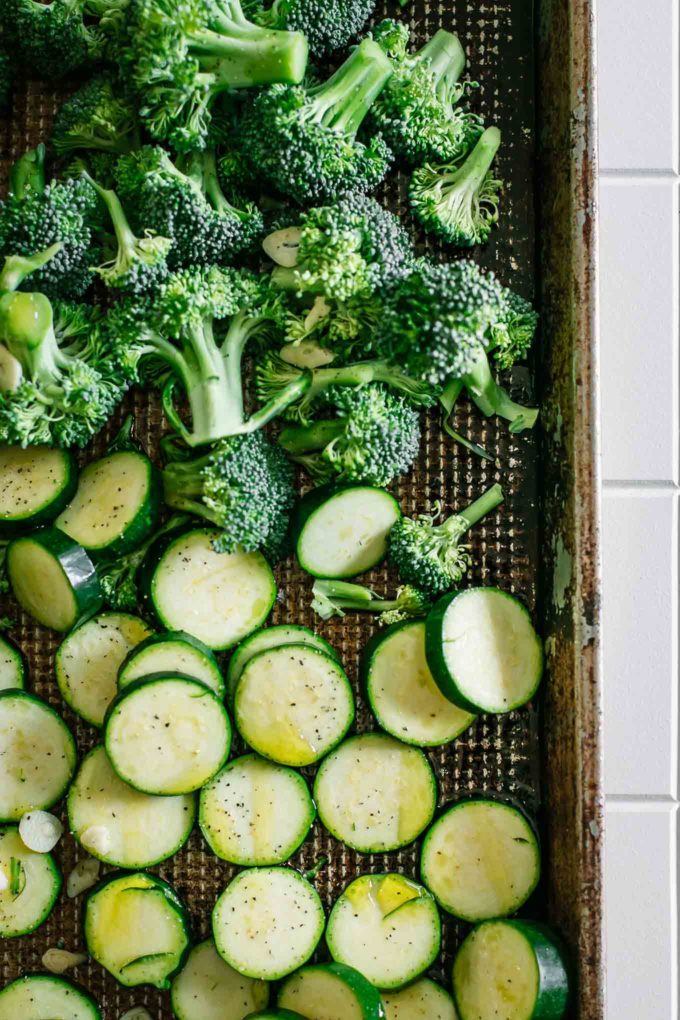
[185,54]
[118,577]
[327,24]
[303,140]
[431,555]
[512,334]
[418,112]
[333,598]
[188,206]
[374,437]
[460,203]
[244,485]
[36,215]
[98,116]
[393,37]
[52,38]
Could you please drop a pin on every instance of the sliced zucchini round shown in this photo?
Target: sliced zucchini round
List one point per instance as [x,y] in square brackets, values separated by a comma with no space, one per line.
[270,637]
[137,928]
[401,690]
[176,652]
[483,650]
[293,704]
[44,997]
[167,734]
[53,579]
[481,859]
[12,666]
[423,1000]
[385,926]
[375,794]
[87,661]
[255,812]
[31,885]
[116,505]
[342,532]
[331,991]
[218,597]
[121,826]
[207,988]
[35,485]
[268,922]
[38,755]
[511,969]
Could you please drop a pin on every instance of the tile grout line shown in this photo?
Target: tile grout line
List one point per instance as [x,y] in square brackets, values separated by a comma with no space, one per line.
[635,174]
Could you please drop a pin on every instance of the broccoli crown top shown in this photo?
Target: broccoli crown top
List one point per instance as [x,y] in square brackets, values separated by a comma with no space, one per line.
[392,36]
[53,37]
[193,296]
[328,26]
[428,555]
[434,321]
[98,116]
[513,332]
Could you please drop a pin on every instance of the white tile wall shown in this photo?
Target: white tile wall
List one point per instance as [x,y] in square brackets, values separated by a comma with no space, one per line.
[639,70]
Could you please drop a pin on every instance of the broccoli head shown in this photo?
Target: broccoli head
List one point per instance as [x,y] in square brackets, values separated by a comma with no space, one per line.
[186,205]
[53,38]
[327,24]
[303,140]
[374,437]
[335,598]
[185,54]
[244,485]
[98,116]
[460,203]
[432,555]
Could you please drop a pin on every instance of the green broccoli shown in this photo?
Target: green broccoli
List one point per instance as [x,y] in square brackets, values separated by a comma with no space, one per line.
[431,555]
[187,205]
[185,53]
[374,437]
[418,112]
[53,38]
[244,485]
[339,251]
[393,37]
[98,116]
[460,203]
[327,24]
[303,140]
[36,215]
[333,598]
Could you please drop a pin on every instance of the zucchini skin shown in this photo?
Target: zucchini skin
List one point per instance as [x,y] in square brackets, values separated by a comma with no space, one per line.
[367,995]
[234,672]
[13,649]
[169,636]
[56,890]
[57,979]
[14,528]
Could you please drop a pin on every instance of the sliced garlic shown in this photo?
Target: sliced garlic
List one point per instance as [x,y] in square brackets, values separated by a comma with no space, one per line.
[97,839]
[306,354]
[40,831]
[4,881]
[83,877]
[11,371]
[137,1013]
[282,246]
[58,961]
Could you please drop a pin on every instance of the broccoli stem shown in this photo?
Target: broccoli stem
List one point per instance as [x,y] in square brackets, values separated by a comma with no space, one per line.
[17,267]
[462,521]
[28,173]
[27,331]
[125,236]
[492,399]
[364,372]
[343,101]
[471,175]
[346,595]
[183,486]
[298,439]
[446,61]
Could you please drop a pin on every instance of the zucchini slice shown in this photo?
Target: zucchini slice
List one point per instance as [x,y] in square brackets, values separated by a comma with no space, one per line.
[32,883]
[12,666]
[137,928]
[218,597]
[116,505]
[293,704]
[423,1000]
[53,579]
[255,812]
[331,991]
[38,753]
[176,652]
[375,794]
[401,690]
[45,996]
[270,637]
[268,922]
[483,650]
[167,734]
[119,825]
[342,532]
[35,486]
[207,988]
[385,926]
[87,661]
[511,969]
[481,859]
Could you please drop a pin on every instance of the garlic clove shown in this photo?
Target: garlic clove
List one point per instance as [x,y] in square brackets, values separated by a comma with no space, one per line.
[83,877]
[40,831]
[282,246]
[58,961]
[137,1013]
[96,839]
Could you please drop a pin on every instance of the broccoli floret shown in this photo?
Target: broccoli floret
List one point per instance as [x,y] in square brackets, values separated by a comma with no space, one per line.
[186,53]
[374,437]
[118,577]
[188,206]
[512,334]
[303,140]
[431,555]
[333,598]
[340,251]
[36,215]
[327,24]
[393,37]
[98,116]
[52,38]
[244,485]
[417,112]
[460,204]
